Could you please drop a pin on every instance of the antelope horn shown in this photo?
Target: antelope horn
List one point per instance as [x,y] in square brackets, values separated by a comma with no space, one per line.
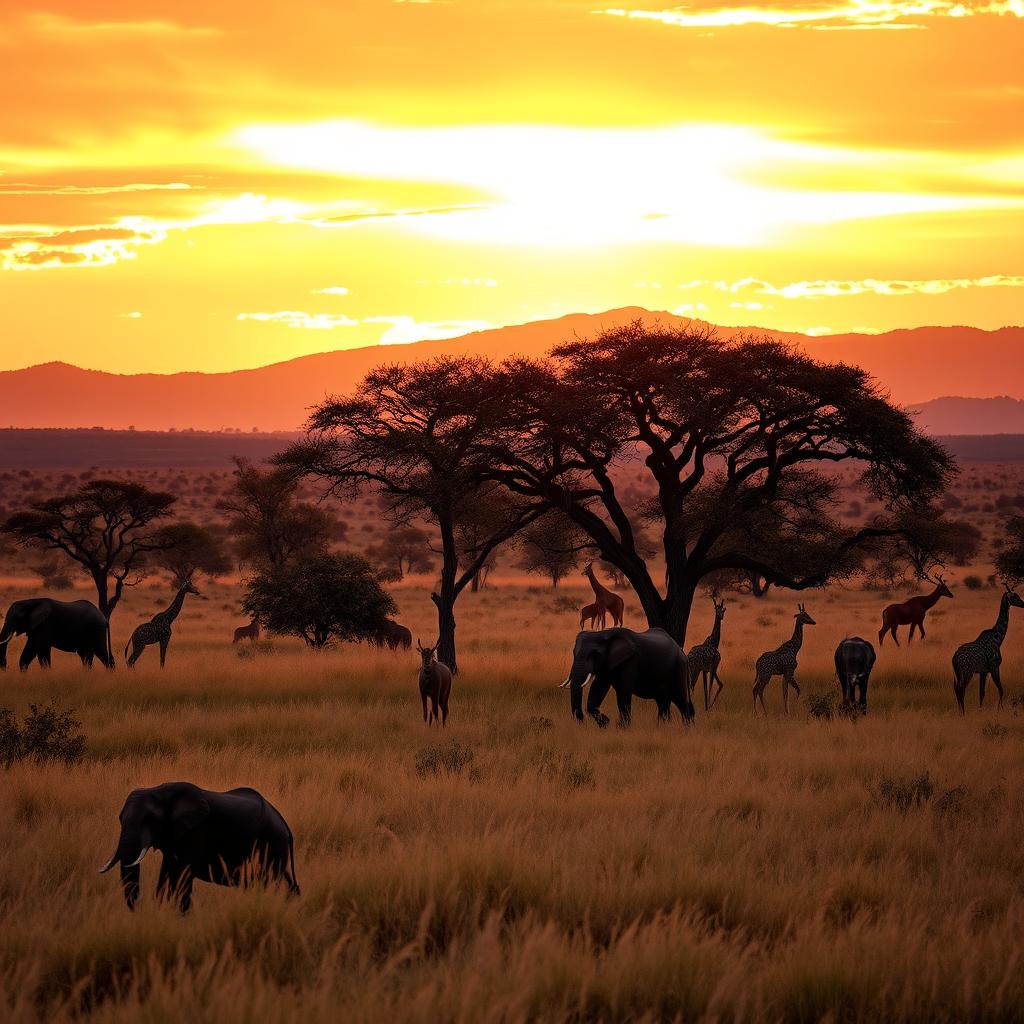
[138,860]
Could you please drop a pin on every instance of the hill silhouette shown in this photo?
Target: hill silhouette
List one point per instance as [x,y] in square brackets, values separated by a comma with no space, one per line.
[915,365]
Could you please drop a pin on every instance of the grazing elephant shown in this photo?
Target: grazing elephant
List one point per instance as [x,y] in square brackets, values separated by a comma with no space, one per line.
[393,635]
[232,838]
[650,665]
[78,627]
[855,657]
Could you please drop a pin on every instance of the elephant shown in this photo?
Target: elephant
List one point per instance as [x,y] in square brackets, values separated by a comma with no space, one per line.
[233,838]
[393,635]
[855,657]
[78,627]
[650,665]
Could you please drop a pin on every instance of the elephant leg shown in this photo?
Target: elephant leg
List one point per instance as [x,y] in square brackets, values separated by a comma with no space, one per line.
[28,655]
[169,879]
[998,683]
[624,700]
[598,691]
[163,651]
[44,656]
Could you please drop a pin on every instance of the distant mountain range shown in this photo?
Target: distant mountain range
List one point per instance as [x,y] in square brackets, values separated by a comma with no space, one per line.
[916,366]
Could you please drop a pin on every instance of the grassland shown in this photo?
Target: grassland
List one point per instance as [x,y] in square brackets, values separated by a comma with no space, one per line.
[518,866]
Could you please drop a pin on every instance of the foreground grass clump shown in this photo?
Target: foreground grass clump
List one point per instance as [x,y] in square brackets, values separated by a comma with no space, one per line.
[517,866]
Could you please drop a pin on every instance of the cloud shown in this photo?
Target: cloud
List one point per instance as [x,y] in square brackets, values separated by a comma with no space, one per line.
[300,319]
[334,289]
[402,330]
[866,286]
[133,315]
[77,247]
[855,14]
[17,188]
[60,26]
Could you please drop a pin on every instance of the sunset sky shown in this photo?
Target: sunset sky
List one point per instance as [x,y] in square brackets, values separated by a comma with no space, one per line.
[224,184]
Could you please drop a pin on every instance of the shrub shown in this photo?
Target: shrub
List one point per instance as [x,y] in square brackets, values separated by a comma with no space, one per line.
[449,758]
[47,734]
[974,582]
[904,793]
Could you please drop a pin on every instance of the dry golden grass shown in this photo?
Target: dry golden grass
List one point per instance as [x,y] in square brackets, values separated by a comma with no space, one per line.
[517,866]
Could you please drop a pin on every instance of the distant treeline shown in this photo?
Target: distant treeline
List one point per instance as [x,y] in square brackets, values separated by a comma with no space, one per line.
[61,448]
[986,447]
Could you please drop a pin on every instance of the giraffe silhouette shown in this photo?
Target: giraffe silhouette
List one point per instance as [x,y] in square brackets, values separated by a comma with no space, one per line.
[706,657]
[607,601]
[982,657]
[781,662]
[158,629]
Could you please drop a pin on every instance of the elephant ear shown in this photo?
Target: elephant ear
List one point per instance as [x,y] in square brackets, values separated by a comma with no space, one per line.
[188,811]
[39,614]
[620,649]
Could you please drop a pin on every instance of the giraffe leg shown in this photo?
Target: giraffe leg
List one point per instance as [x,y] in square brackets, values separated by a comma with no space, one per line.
[134,656]
[785,694]
[982,679]
[718,692]
[163,651]
[999,684]
[959,688]
[794,684]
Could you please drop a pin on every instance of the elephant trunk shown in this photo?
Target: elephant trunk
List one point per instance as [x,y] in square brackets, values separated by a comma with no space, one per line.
[5,637]
[131,851]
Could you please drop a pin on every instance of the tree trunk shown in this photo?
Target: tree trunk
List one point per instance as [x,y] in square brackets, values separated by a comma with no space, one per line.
[445,598]
[103,601]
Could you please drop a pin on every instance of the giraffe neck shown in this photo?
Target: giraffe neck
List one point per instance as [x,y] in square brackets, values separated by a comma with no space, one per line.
[599,590]
[797,639]
[1003,619]
[171,612]
[716,633]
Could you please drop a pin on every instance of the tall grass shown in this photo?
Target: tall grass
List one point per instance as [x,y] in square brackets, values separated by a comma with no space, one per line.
[517,866]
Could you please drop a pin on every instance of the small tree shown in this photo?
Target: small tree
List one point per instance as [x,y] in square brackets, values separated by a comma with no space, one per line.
[190,549]
[551,547]
[108,527]
[269,524]
[1010,560]
[404,549]
[323,598]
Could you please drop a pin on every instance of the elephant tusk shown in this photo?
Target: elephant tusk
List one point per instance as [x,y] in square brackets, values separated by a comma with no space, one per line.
[138,860]
[110,863]
[589,679]
[568,680]
[2,642]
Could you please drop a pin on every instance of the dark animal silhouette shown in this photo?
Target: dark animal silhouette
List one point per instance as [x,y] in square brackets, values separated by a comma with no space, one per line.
[250,632]
[592,613]
[608,601]
[232,838]
[706,657]
[854,658]
[781,662]
[78,627]
[435,685]
[648,665]
[983,657]
[912,612]
[393,635]
[158,629]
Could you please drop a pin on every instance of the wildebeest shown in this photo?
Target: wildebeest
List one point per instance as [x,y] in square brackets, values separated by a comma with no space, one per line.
[855,657]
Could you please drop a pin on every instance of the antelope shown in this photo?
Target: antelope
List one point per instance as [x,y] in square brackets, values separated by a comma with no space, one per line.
[435,684]
[912,611]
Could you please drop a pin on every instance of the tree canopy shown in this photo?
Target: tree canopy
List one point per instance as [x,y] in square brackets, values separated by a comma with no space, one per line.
[737,437]
[189,549]
[108,527]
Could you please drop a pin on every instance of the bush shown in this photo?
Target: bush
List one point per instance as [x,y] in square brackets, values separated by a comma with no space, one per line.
[904,793]
[47,734]
[973,582]
[322,598]
[443,759]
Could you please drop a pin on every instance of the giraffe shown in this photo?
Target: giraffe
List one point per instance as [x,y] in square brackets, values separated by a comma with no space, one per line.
[781,662]
[158,629]
[705,658]
[982,657]
[592,613]
[606,600]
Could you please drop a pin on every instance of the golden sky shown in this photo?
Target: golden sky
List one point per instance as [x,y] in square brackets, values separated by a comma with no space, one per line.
[224,184]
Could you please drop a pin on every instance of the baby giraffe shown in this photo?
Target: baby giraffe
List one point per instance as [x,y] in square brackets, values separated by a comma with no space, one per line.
[781,662]
[435,685]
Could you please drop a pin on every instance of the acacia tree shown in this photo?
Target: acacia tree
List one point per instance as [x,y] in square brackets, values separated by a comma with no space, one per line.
[551,547]
[108,527]
[190,549]
[1010,559]
[269,524]
[405,549]
[421,436]
[734,435]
